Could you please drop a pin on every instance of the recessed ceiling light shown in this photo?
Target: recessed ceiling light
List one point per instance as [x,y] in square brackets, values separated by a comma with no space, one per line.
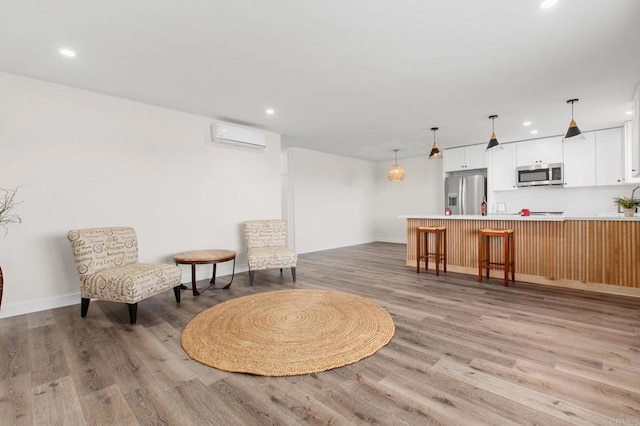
[546,4]
[67,52]
[534,132]
[629,112]
[526,123]
[270,111]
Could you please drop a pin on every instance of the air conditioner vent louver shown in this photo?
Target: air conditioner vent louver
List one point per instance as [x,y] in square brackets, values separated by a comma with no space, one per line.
[229,134]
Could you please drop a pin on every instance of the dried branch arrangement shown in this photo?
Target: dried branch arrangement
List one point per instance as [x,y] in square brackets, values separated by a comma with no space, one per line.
[7,205]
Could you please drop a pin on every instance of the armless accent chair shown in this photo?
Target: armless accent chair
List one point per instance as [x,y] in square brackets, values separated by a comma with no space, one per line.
[107,261]
[267,247]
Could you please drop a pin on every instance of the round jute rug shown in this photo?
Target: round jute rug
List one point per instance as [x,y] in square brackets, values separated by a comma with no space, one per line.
[288,332]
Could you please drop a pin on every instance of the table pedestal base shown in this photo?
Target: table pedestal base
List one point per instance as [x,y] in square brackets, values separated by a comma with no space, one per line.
[202,257]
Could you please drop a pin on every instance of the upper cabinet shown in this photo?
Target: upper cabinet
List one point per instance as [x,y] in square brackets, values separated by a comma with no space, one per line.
[465,158]
[580,161]
[540,151]
[599,160]
[632,142]
[609,154]
[453,159]
[596,161]
[502,169]
[631,152]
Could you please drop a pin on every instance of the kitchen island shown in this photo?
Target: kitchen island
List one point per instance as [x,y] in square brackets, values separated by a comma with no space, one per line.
[600,253]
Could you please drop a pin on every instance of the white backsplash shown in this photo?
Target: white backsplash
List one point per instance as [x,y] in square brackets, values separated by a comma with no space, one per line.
[577,201]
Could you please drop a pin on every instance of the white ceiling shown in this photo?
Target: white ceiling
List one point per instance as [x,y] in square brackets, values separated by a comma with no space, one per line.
[351,77]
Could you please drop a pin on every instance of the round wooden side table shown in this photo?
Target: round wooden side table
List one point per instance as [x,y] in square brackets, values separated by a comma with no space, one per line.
[200,257]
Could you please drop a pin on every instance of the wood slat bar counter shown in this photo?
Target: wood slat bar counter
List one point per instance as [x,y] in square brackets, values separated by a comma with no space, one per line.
[590,252]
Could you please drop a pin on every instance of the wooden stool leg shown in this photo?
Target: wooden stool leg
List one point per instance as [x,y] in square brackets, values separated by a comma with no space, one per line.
[513,258]
[480,254]
[507,252]
[425,250]
[417,251]
[487,244]
[445,250]
[437,258]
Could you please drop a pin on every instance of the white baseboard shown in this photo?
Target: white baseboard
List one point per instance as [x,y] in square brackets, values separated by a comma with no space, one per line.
[305,250]
[13,309]
[391,240]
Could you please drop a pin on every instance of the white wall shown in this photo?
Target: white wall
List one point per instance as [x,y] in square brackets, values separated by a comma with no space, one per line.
[332,199]
[578,201]
[421,192]
[87,160]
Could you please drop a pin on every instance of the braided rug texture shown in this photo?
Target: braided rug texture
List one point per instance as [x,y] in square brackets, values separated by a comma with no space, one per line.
[288,332]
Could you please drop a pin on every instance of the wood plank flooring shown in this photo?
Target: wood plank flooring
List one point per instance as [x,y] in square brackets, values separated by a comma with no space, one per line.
[464,353]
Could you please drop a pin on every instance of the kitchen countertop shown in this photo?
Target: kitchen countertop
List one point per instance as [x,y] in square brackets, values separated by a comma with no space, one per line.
[549,218]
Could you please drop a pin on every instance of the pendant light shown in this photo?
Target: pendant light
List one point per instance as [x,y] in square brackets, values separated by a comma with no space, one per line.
[396,173]
[493,145]
[435,152]
[573,133]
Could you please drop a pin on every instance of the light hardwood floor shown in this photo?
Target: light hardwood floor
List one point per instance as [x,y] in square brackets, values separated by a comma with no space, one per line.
[463,353]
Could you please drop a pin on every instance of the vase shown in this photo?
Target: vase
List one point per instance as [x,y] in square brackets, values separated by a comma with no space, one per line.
[1,285]
[629,212]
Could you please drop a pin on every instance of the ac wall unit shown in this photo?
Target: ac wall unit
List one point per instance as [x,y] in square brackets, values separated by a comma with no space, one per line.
[238,136]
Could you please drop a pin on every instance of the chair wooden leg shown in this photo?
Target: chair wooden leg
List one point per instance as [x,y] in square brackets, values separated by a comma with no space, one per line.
[84,306]
[176,292]
[251,274]
[133,312]
[293,273]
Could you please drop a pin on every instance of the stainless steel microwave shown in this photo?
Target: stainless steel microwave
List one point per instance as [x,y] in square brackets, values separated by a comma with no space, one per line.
[540,174]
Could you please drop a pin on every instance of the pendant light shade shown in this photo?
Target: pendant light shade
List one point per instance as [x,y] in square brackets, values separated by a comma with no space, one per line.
[573,133]
[493,145]
[435,151]
[396,173]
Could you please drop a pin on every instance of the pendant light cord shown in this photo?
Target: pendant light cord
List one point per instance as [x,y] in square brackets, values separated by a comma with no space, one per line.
[434,129]
[572,101]
[571,110]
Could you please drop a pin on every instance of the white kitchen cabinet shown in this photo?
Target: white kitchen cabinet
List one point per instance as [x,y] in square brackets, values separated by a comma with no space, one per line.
[632,142]
[539,151]
[453,159]
[631,157]
[609,153]
[579,158]
[476,156]
[464,158]
[502,168]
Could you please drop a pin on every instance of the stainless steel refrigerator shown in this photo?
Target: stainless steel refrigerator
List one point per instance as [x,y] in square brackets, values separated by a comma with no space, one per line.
[463,193]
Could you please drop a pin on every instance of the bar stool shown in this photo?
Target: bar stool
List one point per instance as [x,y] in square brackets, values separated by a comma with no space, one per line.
[440,253]
[509,253]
